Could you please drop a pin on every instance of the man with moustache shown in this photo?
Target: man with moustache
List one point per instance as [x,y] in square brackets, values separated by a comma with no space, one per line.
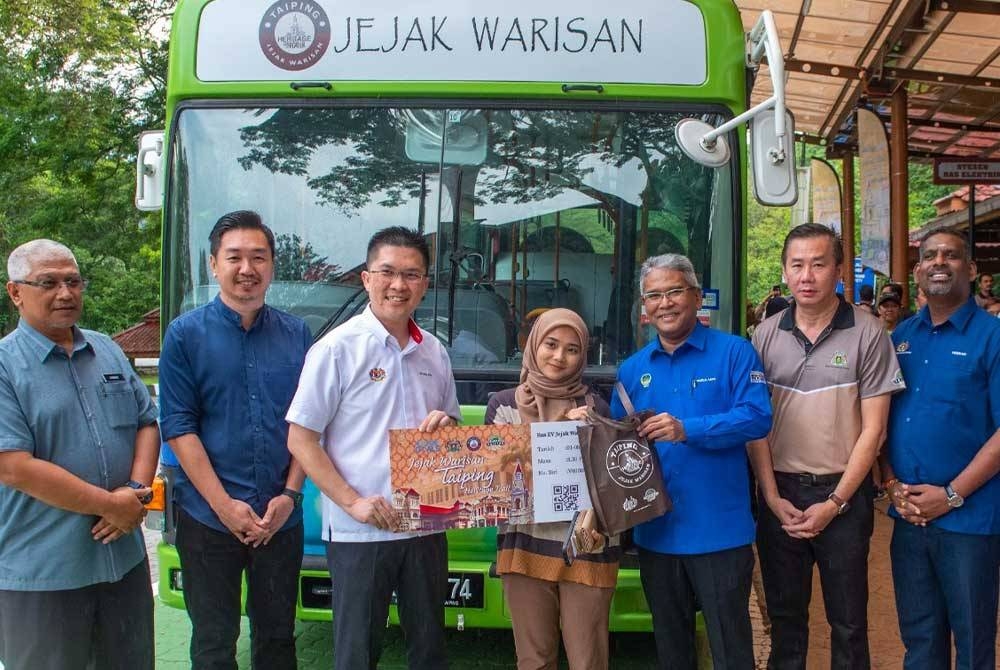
[831,369]
[228,371]
[376,372]
[941,463]
[710,397]
[984,293]
[78,448]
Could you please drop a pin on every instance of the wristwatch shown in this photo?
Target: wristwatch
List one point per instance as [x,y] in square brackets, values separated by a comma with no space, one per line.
[954,500]
[842,505]
[146,499]
[296,496]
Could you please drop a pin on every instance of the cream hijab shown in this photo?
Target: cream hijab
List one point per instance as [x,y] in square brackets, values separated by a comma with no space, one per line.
[538,397]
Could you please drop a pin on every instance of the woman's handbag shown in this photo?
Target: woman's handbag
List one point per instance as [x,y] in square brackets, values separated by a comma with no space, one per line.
[623,473]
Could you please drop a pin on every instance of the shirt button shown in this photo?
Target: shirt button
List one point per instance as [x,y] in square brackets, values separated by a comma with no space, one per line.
[917,389]
[907,419]
[925,361]
[249,365]
[253,396]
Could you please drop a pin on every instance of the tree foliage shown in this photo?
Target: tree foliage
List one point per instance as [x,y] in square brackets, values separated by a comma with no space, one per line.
[79,81]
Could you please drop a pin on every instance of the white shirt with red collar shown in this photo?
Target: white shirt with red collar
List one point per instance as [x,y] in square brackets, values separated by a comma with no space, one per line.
[356,385]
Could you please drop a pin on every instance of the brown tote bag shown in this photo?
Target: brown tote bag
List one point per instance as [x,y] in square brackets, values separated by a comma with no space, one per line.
[623,473]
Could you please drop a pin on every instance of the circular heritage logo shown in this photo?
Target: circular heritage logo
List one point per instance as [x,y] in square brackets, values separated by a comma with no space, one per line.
[294,34]
[629,463]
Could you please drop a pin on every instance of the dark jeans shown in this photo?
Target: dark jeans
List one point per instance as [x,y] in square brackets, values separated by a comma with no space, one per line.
[946,582]
[840,552]
[107,626]
[364,575]
[719,582]
[212,565]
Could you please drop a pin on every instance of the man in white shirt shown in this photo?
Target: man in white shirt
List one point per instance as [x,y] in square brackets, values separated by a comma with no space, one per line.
[376,372]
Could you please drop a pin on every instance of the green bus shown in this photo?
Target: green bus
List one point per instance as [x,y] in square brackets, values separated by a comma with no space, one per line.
[537,146]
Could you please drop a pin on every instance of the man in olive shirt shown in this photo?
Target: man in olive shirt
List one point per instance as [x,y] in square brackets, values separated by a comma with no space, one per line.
[831,370]
[78,449]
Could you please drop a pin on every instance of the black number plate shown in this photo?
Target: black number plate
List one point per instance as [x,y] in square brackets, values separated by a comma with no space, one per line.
[465,589]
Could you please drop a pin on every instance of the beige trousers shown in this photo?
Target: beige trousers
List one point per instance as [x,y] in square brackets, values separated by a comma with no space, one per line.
[538,610]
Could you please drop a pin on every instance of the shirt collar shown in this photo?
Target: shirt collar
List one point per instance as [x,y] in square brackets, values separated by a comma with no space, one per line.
[959,319]
[843,318]
[43,346]
[375,326]
[231,315]
[697,339]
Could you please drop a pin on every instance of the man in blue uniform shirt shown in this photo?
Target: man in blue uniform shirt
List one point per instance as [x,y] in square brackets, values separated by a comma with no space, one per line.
[78,445]
[944,452]
[228,372]
[710,395]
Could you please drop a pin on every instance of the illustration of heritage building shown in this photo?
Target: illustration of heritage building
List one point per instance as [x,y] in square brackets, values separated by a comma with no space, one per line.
[414,515]
[520,499]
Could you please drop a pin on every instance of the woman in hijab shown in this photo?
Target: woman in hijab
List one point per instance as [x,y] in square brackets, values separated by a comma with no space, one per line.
[537,583]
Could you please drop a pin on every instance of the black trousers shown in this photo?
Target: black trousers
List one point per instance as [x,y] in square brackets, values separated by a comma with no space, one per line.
[212,565]
[719,583]
[364,575]
[107,626]
[840,552]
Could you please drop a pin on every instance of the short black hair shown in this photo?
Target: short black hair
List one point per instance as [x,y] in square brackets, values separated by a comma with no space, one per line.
[241,219]
[954,232]
[776,287]
[807,230]
[895,288]
[866,292]
[398,236]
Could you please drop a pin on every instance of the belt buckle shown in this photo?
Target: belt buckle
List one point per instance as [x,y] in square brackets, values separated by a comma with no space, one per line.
[808,479]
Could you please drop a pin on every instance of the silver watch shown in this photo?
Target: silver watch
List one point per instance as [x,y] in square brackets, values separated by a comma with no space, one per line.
[954,500]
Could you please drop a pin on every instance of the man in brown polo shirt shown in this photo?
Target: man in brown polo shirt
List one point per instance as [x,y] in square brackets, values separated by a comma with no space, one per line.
[831,368]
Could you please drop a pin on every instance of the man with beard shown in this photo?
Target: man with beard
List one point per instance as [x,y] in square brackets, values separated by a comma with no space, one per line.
[227,374]
[984,294]
[941,465]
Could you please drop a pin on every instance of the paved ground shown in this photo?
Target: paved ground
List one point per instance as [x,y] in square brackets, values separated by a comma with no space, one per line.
[495,649]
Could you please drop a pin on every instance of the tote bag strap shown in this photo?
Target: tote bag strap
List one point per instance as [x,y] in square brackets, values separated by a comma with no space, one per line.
[623,396]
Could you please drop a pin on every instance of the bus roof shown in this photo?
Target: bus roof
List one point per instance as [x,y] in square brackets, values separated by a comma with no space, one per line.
[563,49]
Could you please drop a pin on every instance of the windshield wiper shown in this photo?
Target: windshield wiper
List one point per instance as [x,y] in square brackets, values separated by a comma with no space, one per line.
[329,324]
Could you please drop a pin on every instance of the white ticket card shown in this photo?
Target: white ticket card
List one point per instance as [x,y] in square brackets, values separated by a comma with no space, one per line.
[560,485]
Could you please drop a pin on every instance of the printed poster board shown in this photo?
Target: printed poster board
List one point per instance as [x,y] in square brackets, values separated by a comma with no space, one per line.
[486,476]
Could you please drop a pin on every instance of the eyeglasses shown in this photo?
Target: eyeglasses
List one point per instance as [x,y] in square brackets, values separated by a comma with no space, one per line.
[73,283]
[671,295]
[388,275]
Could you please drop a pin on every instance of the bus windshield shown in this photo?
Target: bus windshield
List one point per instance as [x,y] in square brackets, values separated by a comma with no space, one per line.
[524,207]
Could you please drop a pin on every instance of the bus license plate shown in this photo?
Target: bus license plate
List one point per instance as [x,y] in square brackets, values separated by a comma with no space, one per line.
[465,589]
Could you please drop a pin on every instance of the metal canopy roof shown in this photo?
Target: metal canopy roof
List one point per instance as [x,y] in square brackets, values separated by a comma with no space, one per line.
[840,54]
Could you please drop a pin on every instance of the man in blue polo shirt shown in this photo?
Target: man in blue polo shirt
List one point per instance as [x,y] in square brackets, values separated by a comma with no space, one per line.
[228,372]
[944,452]
[710,395]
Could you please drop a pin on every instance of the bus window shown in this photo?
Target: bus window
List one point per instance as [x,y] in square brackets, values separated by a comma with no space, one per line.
[532,208]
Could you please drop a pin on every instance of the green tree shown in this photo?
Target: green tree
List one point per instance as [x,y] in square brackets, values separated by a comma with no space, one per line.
[79,81]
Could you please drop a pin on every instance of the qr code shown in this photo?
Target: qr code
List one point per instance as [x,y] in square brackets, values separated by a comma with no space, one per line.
[565,497]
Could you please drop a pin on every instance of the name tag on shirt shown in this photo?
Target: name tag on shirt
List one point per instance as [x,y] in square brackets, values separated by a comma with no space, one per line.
[114,377]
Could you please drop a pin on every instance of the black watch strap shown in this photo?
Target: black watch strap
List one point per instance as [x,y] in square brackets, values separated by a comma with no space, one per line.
[146,499]
[296,496]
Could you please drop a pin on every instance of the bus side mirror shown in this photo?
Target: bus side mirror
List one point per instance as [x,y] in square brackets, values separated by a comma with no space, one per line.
[773,168]
[149,172]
